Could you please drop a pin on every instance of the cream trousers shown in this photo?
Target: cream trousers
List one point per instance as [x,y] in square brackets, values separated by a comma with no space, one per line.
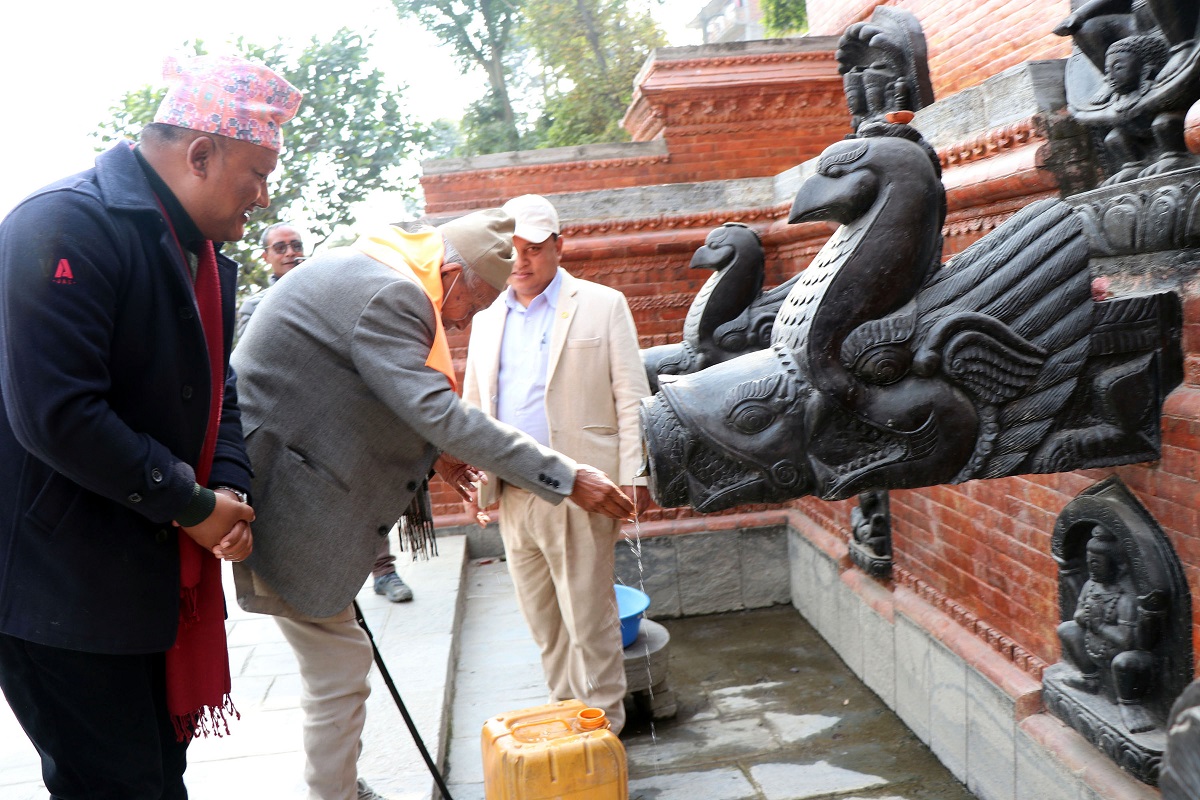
[561,561]
[335,661]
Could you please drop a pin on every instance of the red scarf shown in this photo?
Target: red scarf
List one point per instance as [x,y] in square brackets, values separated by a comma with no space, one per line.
[198,665]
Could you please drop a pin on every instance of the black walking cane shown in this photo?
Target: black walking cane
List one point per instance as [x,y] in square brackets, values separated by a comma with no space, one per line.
[408,720]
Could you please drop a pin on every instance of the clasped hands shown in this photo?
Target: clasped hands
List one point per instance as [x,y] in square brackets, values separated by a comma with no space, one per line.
[226,531]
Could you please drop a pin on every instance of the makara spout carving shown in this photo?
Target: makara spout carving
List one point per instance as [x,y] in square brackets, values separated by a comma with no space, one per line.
[888,370]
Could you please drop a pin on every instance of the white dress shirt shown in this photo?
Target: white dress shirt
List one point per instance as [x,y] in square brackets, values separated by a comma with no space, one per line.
[524,359]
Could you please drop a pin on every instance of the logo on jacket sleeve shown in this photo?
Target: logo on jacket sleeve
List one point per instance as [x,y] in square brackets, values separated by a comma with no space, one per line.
[63,273]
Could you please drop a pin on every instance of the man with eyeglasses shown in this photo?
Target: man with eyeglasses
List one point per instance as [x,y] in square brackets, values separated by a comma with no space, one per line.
[283,248]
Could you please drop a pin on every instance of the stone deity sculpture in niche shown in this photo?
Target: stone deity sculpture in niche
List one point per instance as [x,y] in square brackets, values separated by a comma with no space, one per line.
[1134,80]
[888,370]
[1126,629]
[871,534]
[884,69]
[1110,638]
[884,66]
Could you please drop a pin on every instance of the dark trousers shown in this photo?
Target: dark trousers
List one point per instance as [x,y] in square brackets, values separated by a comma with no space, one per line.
[385,562]
[99,722]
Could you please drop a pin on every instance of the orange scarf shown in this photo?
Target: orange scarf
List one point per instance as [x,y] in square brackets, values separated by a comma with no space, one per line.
[418,257]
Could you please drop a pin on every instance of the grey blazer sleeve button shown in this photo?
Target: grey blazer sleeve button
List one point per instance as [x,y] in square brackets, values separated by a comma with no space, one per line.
[135,498]
[411,486]
[156,476]
[383,530]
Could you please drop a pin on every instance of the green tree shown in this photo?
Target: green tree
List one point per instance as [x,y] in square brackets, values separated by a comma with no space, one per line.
[784,17]
[480,34]
[349,139]
[445,139]
[591,49]
[486,128]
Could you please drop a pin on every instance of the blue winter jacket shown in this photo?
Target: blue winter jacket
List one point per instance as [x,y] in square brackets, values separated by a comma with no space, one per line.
[104,377]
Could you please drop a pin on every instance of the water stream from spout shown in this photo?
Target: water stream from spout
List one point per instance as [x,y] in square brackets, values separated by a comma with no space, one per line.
[635,547]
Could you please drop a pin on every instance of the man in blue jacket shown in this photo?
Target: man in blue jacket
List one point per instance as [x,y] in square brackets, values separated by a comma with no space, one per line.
[123,474]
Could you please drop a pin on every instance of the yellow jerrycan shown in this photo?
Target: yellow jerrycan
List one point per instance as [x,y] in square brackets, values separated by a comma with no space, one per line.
[559,751]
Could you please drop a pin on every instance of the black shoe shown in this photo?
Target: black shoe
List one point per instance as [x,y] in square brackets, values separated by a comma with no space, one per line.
[394,589]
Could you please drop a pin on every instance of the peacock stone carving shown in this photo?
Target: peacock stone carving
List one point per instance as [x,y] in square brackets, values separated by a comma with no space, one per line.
[884,70]
[730,315]
[888,370]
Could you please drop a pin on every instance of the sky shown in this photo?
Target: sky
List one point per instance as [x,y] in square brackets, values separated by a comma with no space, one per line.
[67,62]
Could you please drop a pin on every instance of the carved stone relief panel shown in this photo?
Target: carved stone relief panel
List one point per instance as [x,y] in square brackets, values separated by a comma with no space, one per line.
[1126,627]
[1133,80]
[884,66]
[871,534]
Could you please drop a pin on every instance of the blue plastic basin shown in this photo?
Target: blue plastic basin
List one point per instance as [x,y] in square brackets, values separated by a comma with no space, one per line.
[631,605]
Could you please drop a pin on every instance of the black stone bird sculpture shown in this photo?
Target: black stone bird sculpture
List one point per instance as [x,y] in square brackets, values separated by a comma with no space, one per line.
[730,315]
[887,370]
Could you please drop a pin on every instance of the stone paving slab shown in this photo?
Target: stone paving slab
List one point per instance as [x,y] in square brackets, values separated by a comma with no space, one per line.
[800,781]
[263,755]
[767,717]
[771,716]
[717,784]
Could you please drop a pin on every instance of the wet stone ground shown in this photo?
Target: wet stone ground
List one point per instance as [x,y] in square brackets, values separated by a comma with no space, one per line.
[767,710]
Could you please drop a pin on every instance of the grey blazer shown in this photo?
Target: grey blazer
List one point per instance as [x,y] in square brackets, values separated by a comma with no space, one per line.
[343,420]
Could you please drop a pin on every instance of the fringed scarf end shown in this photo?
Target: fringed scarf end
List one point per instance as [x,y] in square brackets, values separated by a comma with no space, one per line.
[416,526]
[205,721]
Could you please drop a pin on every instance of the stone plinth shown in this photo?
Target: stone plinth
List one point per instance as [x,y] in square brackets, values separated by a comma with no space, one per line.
[646,670]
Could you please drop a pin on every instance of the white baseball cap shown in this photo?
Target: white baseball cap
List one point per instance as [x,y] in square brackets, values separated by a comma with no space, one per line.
[535,216]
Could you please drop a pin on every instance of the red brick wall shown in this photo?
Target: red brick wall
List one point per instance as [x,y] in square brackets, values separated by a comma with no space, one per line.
[979,551]
[765,149]
[967,41]
[483,188]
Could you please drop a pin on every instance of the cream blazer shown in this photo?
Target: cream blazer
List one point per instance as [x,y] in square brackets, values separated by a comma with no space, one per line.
[594,381]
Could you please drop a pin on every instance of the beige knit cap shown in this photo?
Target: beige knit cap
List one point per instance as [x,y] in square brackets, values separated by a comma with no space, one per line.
[484,239]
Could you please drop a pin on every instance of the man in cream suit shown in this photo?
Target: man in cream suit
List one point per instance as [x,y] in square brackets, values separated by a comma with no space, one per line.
[348,399]
[557,357]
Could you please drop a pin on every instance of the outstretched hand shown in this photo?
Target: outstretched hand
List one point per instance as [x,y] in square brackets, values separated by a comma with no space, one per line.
[596,494]
[640,496]
[471,506]
[459,474]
